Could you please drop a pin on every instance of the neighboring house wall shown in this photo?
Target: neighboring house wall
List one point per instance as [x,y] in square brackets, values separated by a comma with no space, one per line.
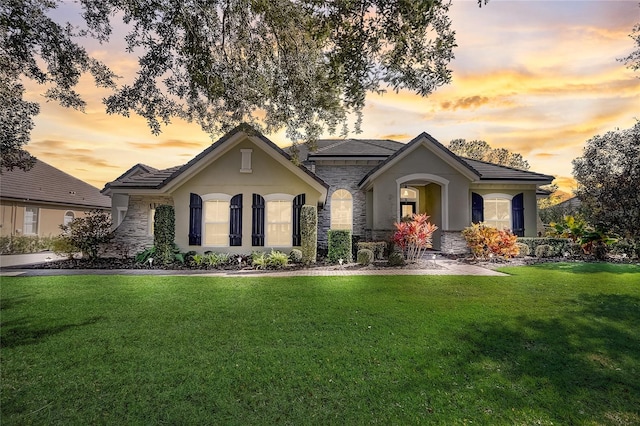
[224,176]
[47,223]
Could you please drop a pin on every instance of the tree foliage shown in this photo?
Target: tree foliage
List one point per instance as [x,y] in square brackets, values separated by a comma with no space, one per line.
[608,174]
[482,151]
[633,60]
[300,64]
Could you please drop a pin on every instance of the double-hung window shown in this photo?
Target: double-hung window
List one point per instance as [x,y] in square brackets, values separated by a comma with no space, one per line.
[278,218]
[216,220]
[30,221]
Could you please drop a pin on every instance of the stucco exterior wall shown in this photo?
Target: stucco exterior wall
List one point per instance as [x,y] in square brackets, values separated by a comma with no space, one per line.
[423,162]
[268,176]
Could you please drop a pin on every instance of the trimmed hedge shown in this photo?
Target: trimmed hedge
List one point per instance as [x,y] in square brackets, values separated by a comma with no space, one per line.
[558,245]
[377,247]
[309,234]
[164,230]
[339,246]
[365,257]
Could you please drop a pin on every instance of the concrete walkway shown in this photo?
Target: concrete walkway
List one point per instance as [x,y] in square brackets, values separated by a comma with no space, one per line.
[10,267]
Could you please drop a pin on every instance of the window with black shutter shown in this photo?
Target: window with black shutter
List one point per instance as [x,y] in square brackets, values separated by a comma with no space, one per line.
[298,202]
[257,221]
[517,214]
[477,208]
[235,221]
[195,220]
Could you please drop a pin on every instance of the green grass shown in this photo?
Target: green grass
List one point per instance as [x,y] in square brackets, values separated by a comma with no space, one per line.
[555,343]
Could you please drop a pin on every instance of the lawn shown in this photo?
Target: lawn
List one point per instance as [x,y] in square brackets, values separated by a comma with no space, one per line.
[550,344]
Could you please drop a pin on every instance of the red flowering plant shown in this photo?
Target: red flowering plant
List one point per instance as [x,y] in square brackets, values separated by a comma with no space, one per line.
[484,241]
[414,236]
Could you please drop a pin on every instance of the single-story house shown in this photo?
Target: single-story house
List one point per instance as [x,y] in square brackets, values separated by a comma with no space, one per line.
[38,201]
[244,193]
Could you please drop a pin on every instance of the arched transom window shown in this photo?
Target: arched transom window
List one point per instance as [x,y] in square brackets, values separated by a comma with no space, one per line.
[342,210]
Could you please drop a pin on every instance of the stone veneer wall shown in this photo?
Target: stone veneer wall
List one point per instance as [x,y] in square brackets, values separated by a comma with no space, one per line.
[452,242]
[132,236]
[342,177]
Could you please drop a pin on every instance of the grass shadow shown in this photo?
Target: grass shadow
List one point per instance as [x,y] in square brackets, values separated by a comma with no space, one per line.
[20,333]
[587,354]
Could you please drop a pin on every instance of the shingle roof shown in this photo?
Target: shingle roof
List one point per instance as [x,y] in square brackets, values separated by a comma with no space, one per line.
[45,183]
[349,148]
[490,171]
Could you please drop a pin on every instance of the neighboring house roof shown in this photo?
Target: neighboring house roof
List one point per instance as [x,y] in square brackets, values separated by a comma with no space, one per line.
[44,183]
[155,179]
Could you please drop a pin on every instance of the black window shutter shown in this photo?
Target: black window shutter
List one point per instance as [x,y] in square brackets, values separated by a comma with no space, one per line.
[235,221]
[298,202]
[195,220]
[517,214]
[257,221]
[477,208]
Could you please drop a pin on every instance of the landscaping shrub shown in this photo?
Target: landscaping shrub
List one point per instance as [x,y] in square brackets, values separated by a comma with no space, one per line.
[277,259]
[164,234]
[339,245]
[89,232]
[396,258]
[544,250]
[377,247]
[558,244]
[23,244]
[63,246]
[414,236]
[274,259]
[365,257]
[309,234]
[295,256]
[484,241]
[216,260]
[259,260]
[523,249]
[628,247]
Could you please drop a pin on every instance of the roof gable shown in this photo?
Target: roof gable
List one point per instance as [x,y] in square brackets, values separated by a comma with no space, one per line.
[45,183]
[426,140]
[167,179]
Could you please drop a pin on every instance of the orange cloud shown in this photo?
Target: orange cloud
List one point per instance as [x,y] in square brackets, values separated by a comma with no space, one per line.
[397,136]
[167,143]
[470,102]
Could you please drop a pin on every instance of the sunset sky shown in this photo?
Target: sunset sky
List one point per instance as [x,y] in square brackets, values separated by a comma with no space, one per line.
[536,77]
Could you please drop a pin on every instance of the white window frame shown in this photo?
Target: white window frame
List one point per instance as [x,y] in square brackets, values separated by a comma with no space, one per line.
[498,196]
[344,226]
[280,198]
[64,218]
[214,197]
[33,224]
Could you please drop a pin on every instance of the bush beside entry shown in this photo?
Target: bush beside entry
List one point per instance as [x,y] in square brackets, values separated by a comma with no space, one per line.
[339,246]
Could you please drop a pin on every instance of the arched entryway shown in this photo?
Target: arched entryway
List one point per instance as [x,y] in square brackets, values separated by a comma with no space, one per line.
[425,193]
